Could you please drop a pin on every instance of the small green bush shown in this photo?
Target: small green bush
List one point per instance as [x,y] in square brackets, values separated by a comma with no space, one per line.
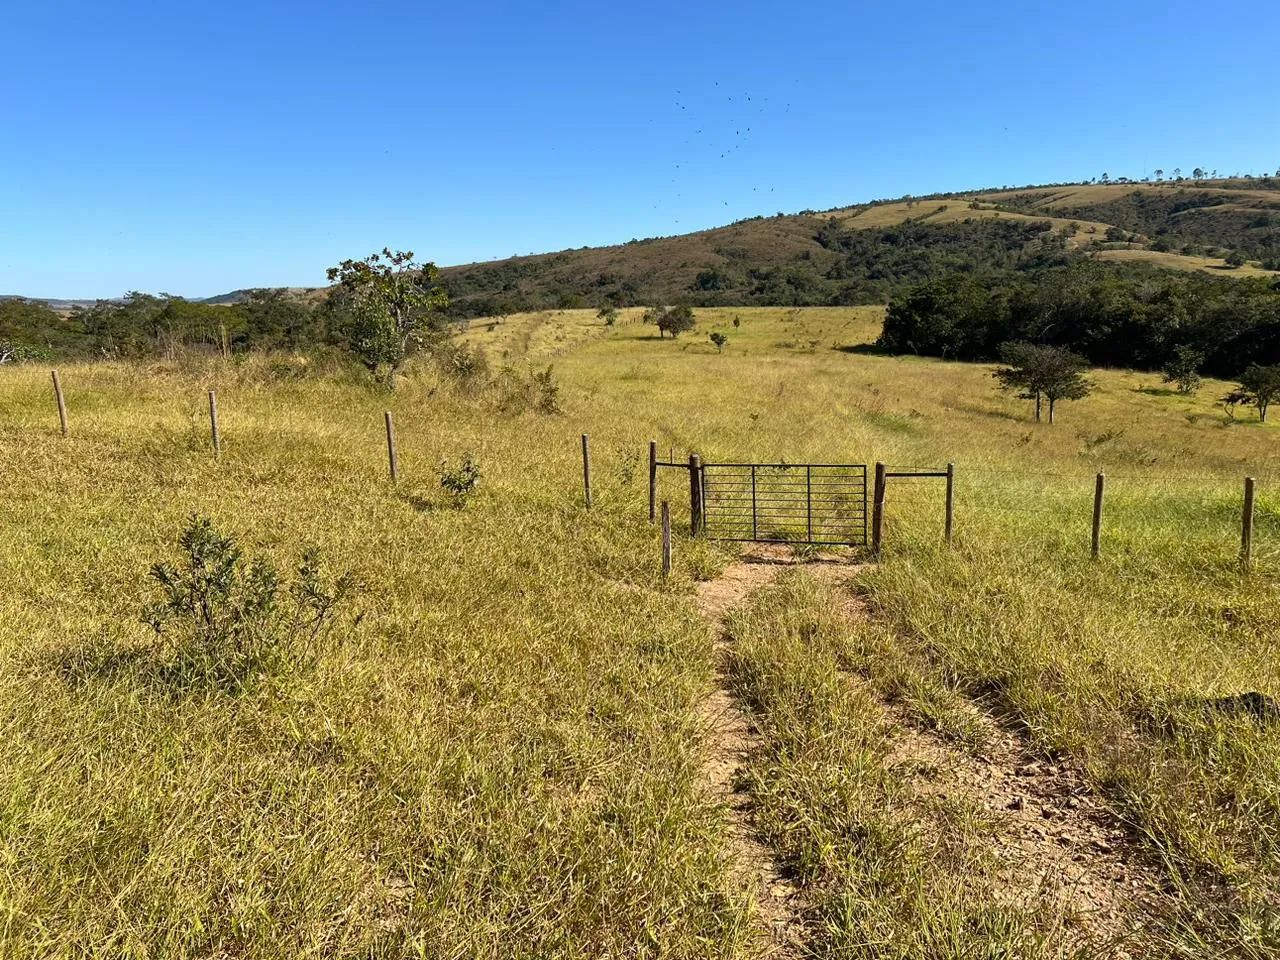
[224,620]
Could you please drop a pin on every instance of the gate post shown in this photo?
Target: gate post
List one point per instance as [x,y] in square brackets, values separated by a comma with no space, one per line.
[695,493]
[877,513]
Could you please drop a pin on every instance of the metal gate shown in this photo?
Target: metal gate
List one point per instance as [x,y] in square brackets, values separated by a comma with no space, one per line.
[818,503]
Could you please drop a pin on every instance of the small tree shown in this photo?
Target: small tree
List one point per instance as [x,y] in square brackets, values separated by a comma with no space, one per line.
[1235,259]
[1184,369]
[1042,372]
[719,339]
[672,320]
[609,315]
[387,304]
[1259,386]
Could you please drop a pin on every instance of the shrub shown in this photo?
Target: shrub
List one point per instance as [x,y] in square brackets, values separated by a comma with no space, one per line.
[548,391]
[225,621]
[460,482]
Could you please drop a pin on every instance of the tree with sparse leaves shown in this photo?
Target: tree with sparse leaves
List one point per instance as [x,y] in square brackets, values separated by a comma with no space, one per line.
[1041,372]
[719,339]
[609,315]
[387,304]
[1184,369]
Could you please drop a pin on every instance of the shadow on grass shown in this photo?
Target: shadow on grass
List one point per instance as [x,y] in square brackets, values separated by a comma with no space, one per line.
[1157,391]
[864,349]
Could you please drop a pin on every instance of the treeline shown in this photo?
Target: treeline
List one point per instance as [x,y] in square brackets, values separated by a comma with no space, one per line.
[1113,315]
[142,325]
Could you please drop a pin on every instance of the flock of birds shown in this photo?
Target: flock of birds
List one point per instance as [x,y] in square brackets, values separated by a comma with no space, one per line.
[715,141]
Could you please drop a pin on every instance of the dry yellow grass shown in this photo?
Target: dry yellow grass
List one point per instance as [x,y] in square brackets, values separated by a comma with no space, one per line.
[500,757]
[1178,261]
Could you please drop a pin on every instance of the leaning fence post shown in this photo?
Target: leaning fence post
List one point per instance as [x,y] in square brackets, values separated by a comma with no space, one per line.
[877,510]
[1246,526]
[62,405]
[695,493]
[666,539]
[951,502]
[1099,489]
[392,462]
[586,470]
[213,425]
[653,478]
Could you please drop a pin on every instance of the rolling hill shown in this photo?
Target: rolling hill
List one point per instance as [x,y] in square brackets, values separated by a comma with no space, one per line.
[794,259]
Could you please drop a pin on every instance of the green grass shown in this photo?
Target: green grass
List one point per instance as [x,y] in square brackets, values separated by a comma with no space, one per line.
[498,753]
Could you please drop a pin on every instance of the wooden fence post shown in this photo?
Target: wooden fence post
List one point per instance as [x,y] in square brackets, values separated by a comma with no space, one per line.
[62,405]
[951,502]
[877,510]
[1246,527]
[1099,489]
[224,341]
[213,425]
[695,493]
[586,470]
[653,478]
[392,462]
[666,539]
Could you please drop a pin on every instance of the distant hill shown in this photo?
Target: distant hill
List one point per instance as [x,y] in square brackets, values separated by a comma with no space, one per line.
[814,257]
[865,253]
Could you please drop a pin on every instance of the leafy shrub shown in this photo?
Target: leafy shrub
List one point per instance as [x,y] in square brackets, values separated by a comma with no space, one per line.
[548,391]
[460,482]
[225,621]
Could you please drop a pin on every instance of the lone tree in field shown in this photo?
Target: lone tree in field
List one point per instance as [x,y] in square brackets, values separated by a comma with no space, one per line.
[672,320]
[388,303]
[1184,370]
[719,339]
[1259,385]
[1235,259]
[609,315]
[1041,373]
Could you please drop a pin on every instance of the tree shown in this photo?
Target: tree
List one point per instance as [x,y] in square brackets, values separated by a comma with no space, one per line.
[1184,369]
[719,339]
[1259,385]
[1159,174]
[387,303]
[609,315]
[1198,173]
[672,320]
[1236,259]
[1043,372]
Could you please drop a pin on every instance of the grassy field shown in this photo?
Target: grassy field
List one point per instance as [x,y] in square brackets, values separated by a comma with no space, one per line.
[1179,261]
[496,751]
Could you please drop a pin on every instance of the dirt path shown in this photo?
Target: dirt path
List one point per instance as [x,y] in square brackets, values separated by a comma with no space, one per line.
[732,737]
[1055,838]
[1056,841]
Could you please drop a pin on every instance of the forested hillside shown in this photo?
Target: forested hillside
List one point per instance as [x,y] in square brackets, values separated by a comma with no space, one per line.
[1124,272]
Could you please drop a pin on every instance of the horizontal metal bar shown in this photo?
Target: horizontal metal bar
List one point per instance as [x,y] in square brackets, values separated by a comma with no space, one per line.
[915,474]
[789,466]
[860,542]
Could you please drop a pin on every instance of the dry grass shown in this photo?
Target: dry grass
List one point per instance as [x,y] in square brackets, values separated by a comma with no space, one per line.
[501,756]
[1178,261]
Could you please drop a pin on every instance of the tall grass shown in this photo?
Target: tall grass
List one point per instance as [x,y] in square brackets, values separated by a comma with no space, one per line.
[498,753]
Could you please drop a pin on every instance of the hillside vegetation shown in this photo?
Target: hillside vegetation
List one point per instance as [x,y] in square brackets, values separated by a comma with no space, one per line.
[496,749]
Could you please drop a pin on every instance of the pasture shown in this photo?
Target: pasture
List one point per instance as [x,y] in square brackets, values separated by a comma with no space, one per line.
[497,750]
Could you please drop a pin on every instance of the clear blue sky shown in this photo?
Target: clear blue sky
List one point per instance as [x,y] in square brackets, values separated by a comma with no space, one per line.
[196,148]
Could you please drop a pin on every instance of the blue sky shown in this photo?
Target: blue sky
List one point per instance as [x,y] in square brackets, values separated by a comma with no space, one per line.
[199,148]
